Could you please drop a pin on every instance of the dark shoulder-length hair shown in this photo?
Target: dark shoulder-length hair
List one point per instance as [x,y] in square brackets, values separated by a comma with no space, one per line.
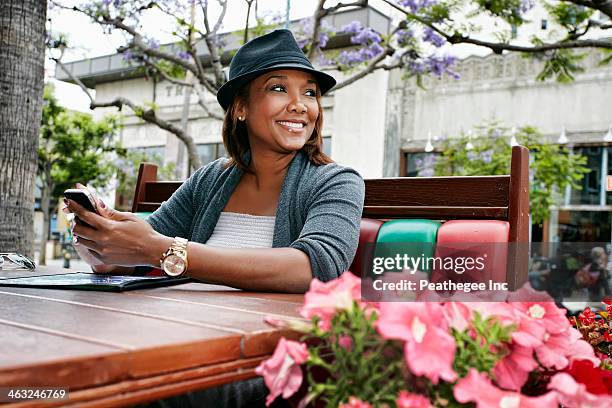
[236,139]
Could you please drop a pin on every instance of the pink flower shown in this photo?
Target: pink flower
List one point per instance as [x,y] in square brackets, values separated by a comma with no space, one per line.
[406,399]
[281,372]
[355,402]
[553,318]
[575,395]
[458,315]
[477,387]
[580,349]
[325,299]
[429,349]
[554,350]
[345,342]
[512,371]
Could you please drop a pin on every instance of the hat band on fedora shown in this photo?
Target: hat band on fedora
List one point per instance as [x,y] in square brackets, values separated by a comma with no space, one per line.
[275,59]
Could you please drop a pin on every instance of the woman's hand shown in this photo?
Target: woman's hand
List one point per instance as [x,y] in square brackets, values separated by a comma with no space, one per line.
[128,248]
[115,237]
[83,252]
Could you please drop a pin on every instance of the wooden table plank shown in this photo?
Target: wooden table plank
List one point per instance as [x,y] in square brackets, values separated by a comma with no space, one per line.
[152,342]
[171,310]
[201,294]
[37,359]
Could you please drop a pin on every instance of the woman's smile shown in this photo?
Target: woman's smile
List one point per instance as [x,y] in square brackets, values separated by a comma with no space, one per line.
[292,126]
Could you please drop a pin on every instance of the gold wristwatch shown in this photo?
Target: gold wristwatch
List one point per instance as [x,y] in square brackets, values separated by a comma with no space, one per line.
[174,261]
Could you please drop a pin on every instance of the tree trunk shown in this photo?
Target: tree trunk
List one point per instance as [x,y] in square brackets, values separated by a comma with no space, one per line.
[22,51]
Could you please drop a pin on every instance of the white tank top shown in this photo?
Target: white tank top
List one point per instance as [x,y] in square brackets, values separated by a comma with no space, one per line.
[235,230]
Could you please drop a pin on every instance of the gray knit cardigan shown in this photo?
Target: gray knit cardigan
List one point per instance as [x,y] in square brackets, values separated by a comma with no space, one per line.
[319,210]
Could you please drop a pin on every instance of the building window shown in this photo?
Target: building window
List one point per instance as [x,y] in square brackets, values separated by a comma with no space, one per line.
[327,145]
[591,182]
[210,152]
[584,226]
[420,164]
[544,24]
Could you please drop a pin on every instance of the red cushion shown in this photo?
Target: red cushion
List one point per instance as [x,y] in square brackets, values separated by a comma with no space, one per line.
[474,238]
[367,242]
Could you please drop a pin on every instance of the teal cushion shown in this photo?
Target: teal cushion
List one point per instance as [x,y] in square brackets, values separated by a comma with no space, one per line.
[414,238]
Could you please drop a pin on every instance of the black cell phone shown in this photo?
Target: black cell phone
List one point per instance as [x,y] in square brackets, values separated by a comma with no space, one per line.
[82,197]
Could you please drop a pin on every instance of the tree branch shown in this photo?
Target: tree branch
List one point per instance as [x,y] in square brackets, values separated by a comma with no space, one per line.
[212,47]
[322,12]
[202,104]
[604,6]
[371,67]
[498,48]
[164,75]
[148,115]
[138,42]
[246,24]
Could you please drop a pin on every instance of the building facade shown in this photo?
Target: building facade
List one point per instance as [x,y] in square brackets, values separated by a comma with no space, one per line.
[379,124]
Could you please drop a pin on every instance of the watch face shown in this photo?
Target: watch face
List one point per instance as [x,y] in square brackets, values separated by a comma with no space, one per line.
[173,265]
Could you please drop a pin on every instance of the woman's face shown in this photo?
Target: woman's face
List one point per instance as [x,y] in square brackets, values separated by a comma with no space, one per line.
[282,110]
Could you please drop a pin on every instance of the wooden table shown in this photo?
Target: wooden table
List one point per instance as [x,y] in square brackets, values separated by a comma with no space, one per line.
[115,349]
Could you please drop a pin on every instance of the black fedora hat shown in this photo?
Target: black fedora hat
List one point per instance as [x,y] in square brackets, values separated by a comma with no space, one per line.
[276,50]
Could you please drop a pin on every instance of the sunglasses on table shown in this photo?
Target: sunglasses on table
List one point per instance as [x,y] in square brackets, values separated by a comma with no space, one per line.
[18,260]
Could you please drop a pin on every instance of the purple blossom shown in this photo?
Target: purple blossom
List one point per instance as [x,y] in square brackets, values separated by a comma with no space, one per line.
[128,55]
[153,44]
[305,29]
[471,155]
[404,37]
[430,160]
[432,37]
[366,36]
[416,5]
[352,28]
[416,66]
[361,35]
[487,156]
[526,5]
[441,65]
[426,172]
[184,55]
[360,55]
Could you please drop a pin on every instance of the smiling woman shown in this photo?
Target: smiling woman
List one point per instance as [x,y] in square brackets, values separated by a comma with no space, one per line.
[274,215]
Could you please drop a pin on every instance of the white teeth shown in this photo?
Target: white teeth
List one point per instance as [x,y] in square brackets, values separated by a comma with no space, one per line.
[292,124]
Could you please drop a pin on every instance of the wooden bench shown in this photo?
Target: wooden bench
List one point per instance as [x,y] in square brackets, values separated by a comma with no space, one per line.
[504,197]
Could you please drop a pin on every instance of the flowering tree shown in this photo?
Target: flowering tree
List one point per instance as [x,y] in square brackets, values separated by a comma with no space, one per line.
[416,44]
[487,151]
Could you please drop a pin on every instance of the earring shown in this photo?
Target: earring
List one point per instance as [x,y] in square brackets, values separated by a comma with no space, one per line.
[241,118]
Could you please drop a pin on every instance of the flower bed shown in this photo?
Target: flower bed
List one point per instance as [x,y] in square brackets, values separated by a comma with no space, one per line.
[507,354]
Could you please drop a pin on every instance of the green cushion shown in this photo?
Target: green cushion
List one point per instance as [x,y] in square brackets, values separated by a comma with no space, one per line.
[415,238]
[142,215]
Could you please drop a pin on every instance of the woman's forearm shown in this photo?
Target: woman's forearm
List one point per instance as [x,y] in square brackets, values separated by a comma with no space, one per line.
[262,269]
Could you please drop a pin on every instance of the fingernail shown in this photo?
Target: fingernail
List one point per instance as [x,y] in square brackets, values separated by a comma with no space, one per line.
[102,204]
